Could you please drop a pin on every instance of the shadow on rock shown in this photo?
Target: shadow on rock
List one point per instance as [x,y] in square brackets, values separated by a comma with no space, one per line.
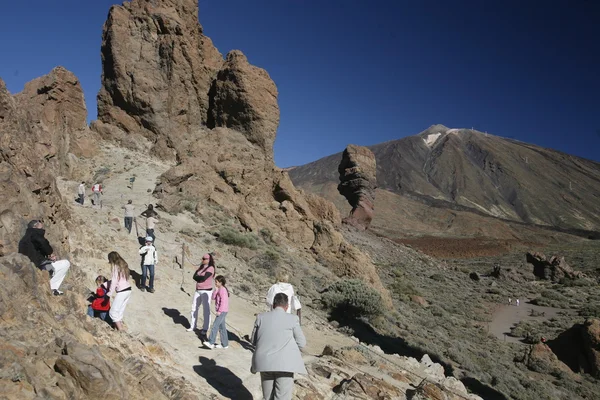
[176,316]
[228,384]
[244,342]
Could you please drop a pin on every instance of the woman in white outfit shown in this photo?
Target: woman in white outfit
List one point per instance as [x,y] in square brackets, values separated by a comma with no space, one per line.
[283,286]
[120,285]
[204,277]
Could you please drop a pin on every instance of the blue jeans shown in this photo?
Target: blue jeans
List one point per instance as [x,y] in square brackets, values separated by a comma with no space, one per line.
[219,325]
[150,232]
[145,269]
[97,314]
[128,223]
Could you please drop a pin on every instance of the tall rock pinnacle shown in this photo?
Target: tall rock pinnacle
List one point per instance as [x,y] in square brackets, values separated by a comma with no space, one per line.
[358,181]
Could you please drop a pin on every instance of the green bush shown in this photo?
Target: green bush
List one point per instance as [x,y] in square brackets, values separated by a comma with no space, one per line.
[590,310]
[235,238]
[353,298]
[269,260]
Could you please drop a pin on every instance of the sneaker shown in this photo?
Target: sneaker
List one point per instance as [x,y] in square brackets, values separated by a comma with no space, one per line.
[143,289]
[209,345]
[220,346]
[190,330]
[151,290]
[57,292]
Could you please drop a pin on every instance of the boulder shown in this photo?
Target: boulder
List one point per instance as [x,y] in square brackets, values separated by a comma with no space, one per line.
[358,181]
[555,268]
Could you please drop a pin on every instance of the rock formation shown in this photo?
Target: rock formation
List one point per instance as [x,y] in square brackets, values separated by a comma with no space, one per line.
[358,182]
[244,98]
[158,68]
[579,347]
[164,80]
[43,133]
[555,268]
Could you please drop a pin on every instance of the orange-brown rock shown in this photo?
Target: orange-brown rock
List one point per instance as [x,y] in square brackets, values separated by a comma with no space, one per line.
[243,97]
[358,181]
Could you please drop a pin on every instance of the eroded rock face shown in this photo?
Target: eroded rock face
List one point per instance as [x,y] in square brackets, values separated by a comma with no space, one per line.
[157,71]
[50,350]
[244,98]
[579,347]
[358,182]
[42,133]
[555,268]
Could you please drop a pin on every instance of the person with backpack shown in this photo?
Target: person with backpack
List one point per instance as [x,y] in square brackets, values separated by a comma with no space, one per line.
[101,302]
[37,248]
[204,277]
[97,191]
[150,259]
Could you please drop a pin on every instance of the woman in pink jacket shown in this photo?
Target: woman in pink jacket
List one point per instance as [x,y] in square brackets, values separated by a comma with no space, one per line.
[221,298]
[204,277]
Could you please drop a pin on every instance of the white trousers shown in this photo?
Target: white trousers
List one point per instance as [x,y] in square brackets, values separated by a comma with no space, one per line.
[117,306]
[61,267]
[201,297]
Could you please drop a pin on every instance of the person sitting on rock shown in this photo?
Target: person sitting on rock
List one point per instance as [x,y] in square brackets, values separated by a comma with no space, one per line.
[282,286]
[35,246]
[101,302]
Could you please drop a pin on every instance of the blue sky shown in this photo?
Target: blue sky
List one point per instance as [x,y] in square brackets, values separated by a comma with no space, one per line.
[366,72]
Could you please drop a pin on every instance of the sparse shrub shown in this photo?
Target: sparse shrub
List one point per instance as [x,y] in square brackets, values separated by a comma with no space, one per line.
[266,235]
[438,277]
[245,288]
[590,310]
[352,298]
[269,260]
[101,174]
[234,238]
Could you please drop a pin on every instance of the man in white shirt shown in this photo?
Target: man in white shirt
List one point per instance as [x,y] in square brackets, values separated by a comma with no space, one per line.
[129,213]
[150,222]
[81,192]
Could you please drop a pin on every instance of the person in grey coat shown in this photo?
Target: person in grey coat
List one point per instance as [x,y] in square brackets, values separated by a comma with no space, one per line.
[278,338]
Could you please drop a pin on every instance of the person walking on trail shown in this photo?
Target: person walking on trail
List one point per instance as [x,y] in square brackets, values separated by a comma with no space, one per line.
[120,285]
[150,223]
[129,213]
[81,192]
[148,251]
[96,192]
[509,301]
[35,246]
[278,338]
[149,212]
[204,277]
[221,298]
[282,286]
[518,302]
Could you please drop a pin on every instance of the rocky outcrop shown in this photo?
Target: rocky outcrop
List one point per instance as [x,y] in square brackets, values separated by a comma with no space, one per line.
[358,181]
[555,268]
[157,69]
[579,347]
[43,133]
[50,350]
[244,98]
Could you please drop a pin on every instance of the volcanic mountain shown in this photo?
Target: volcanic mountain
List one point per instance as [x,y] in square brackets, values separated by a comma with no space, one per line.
[466,183]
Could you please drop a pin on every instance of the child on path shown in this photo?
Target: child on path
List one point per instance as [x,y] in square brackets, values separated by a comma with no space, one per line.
[119,285]
[129,213]
[204,277]
[221,298]
[148,251]
[101,303]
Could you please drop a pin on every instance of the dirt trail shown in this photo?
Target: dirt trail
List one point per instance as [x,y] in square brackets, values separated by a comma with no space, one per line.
[162,317]
[506,316]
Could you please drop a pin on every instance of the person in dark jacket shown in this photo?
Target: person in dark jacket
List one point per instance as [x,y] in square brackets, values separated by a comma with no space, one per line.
[35,246]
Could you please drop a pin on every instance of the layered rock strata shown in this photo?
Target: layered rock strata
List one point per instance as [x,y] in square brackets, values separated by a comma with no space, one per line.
[358,181]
